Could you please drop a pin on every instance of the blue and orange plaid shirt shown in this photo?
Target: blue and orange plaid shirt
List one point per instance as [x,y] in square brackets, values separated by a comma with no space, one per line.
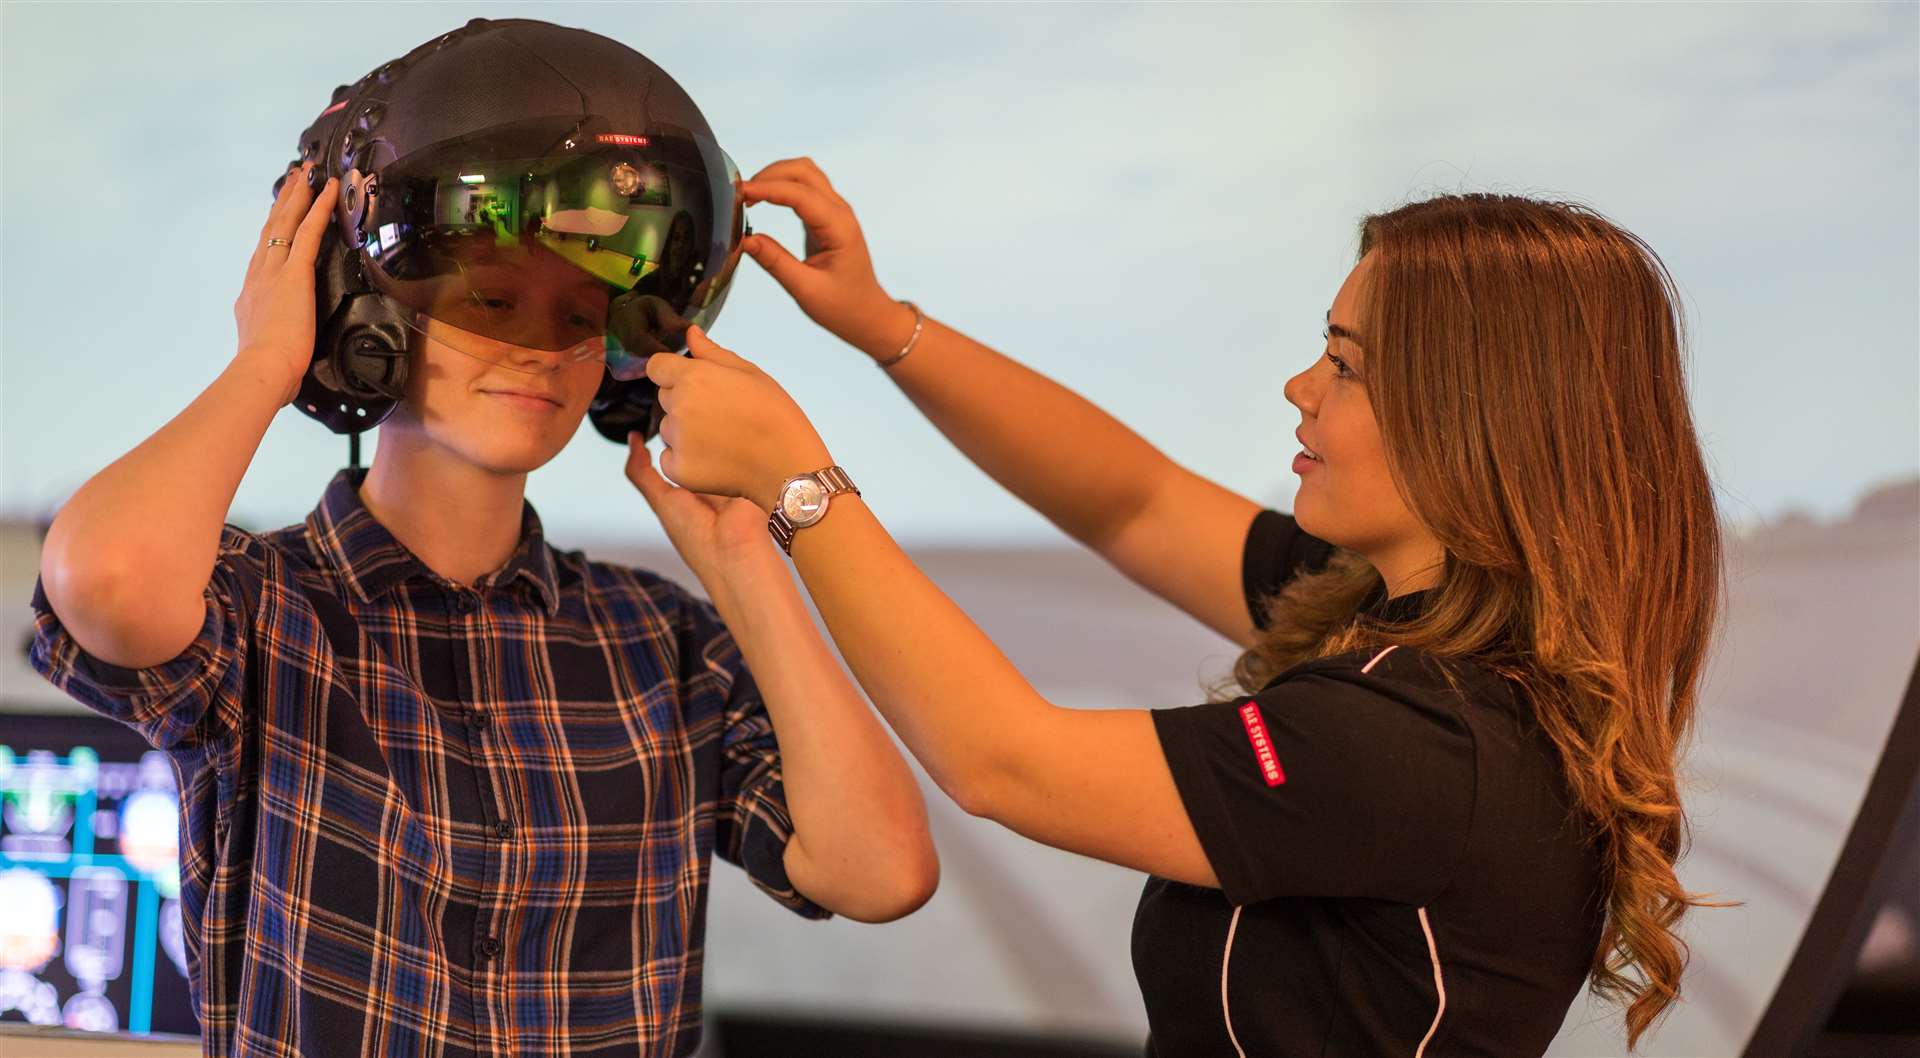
[420,818]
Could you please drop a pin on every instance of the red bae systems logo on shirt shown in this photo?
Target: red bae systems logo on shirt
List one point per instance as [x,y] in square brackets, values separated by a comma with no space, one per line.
[1262,745]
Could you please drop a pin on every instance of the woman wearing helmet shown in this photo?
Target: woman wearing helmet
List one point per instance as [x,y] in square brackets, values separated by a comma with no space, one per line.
[1438,796]
[447,789]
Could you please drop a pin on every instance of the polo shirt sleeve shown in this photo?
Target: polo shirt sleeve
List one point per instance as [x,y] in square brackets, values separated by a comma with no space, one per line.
[753,825]
[193,698]
[1330,783]
[1277,550]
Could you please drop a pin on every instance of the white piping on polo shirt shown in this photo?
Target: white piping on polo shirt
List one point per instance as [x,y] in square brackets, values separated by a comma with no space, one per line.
[1226,1015]
[1439,986]
[1368,667]
[1433,951]
[1426,928]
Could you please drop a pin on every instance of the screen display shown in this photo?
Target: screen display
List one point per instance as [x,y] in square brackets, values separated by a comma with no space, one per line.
[90,930]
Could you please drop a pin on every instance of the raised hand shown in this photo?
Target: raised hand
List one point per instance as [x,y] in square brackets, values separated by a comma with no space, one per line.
[274,312]
[835,285]
[715,535]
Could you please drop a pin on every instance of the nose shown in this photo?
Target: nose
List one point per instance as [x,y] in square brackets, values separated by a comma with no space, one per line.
[535,361]
[1303,392]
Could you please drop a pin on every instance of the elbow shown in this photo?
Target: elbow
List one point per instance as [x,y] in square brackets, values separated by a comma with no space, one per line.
[975,793]
[117,620]
[921,880]
[910,884]
[885,879]
[970,798]
[94,592]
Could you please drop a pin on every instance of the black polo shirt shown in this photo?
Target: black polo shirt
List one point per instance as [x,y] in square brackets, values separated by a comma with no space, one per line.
[1399,873]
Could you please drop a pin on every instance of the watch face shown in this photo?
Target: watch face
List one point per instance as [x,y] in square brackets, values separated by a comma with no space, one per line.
[803,501]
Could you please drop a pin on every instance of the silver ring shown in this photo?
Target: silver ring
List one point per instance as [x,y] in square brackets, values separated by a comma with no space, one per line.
[279,242]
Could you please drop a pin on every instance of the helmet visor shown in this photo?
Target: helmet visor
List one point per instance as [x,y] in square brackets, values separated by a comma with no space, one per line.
[548,236]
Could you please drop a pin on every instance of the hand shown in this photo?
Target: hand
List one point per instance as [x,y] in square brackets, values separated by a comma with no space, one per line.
[274,311]
[717,536]
[835,285]
[730,430]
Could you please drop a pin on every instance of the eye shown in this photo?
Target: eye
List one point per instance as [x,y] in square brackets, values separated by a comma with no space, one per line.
[1340,368]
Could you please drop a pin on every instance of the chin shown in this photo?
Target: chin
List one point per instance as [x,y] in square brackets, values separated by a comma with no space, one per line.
[1312,521]
[1304,515]
[511,452]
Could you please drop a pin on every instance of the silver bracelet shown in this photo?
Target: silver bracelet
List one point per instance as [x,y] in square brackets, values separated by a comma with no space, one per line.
[919,321]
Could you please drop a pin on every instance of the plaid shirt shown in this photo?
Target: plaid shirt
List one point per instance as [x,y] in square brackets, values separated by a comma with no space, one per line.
[419,818]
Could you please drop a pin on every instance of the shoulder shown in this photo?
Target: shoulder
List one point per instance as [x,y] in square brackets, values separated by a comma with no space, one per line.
[635,595]
[1391,670]
[261,565]
[1390,696]
[605,578]
[1407,673]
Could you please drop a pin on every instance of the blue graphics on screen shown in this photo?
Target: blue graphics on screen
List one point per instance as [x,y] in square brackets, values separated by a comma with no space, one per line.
[90,930]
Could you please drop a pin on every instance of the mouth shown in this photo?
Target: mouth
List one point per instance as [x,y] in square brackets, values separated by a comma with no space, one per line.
[1308,452]
[523,398]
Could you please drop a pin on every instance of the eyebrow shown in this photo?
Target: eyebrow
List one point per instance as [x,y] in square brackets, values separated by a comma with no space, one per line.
[1334,330]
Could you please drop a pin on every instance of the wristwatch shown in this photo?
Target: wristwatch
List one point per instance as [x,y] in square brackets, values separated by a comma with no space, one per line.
[803,501]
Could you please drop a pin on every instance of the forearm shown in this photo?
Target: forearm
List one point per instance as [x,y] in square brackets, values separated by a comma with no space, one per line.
[859,822]
[156,512]
[946,689]
[1081,468]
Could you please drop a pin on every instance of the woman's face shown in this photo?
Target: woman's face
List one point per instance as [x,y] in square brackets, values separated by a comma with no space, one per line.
[463,404]
[1347,496]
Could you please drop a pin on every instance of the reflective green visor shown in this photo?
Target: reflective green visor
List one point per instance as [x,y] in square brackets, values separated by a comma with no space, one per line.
[541,243]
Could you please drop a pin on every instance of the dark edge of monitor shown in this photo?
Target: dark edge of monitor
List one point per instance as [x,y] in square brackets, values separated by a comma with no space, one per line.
[1888,824]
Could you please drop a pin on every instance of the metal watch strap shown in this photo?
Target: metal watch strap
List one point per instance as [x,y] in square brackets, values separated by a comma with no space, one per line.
[832,480]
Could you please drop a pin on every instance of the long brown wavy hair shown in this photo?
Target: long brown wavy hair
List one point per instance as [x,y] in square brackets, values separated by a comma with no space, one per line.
[1525,370]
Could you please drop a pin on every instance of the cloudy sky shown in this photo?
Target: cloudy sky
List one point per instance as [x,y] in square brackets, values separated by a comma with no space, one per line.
[1152,204]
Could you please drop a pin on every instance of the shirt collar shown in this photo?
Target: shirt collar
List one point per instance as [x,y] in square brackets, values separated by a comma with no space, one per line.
[1403,607]
[371,561]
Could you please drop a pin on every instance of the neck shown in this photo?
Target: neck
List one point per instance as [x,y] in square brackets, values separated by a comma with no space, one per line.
[1410,565]
[461,520]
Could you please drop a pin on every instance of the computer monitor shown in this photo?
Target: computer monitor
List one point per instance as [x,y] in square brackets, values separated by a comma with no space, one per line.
[90,928]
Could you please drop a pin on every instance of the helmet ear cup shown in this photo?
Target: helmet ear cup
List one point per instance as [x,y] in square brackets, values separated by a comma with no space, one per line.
[368,351]
[358,370]
[622,407]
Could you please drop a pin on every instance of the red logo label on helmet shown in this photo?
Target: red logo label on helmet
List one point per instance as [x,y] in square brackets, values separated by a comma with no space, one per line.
[1262,745]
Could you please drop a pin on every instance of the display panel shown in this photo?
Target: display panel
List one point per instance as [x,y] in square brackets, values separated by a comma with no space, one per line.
[90,927]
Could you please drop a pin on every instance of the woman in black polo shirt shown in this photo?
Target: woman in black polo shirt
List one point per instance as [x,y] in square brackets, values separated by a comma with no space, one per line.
[1439,796]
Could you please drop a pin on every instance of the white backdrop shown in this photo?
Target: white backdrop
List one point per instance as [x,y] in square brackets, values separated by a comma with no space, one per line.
[1154,204]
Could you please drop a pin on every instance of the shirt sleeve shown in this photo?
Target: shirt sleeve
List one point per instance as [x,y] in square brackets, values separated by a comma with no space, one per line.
[1330,783]
[1277,550]
[753,826]
[194,698]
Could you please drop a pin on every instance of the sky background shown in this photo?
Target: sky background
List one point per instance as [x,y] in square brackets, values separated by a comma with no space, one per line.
[1153,205]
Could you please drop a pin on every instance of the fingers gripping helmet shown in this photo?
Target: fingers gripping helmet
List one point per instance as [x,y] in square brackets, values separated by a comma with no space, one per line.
[535,194]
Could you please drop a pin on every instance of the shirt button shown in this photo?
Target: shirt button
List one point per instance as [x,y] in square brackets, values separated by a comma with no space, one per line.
[467,604]
[503,831]
[477,719]
[489,947]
